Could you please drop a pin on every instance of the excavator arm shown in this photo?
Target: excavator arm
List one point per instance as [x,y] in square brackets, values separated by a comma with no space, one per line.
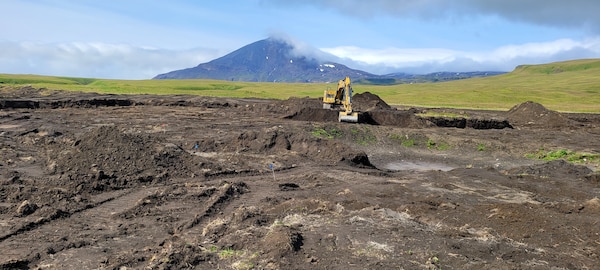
[342,98]
[346,93]
[347,115]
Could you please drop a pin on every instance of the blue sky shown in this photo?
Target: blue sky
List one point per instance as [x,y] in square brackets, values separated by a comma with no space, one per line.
[138,39]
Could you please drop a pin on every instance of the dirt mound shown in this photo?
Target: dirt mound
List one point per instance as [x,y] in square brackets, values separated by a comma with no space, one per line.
[311,109]
[108,157]
[534,114]
[281,241]
[267,141]
[368,102]
[314,114]
[372,110]
[294,105]
[374,117]
[555,168]
[286,144]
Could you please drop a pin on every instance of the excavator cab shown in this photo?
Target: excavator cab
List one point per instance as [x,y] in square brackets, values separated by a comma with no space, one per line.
[341,99]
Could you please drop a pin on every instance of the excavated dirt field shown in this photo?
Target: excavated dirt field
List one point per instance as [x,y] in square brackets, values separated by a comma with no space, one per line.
[93,181]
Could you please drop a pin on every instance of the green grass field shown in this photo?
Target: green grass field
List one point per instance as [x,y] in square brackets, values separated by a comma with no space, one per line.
[571,86]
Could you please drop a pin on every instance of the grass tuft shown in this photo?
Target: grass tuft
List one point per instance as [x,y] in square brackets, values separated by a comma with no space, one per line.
[570,156]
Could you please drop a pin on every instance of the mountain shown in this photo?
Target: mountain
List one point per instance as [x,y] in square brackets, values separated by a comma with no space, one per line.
[268,60]
[274,60]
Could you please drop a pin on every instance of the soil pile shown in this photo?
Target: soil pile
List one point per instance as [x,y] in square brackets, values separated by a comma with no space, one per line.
[372,110]
[110,158]
[312,114]
[286,145]
[367,101]
[287,106]
[555,168]
[534,114]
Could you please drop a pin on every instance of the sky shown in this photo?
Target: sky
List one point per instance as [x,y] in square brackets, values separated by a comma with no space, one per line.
[139,39]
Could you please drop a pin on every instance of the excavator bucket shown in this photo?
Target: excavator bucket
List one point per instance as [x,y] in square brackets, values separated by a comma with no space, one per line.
[348,117]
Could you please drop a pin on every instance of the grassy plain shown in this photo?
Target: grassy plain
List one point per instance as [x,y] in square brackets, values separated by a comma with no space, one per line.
[571,86]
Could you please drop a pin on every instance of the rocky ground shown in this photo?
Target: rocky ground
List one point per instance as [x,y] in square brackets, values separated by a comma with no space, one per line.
[92,181]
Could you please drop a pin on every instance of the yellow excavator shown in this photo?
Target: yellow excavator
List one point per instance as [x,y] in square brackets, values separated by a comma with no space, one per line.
[341,98]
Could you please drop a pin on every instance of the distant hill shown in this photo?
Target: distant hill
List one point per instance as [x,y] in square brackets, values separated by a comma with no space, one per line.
[273,60]
[560,67]
[399,78]
[268,60]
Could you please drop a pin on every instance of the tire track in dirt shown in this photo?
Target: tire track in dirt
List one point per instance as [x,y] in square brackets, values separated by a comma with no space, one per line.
[133,215]
[223,201]
[56,228]
[57,214]
[224,194]
[64,249]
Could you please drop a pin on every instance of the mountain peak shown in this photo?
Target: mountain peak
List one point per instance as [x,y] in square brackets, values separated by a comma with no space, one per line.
[267,60]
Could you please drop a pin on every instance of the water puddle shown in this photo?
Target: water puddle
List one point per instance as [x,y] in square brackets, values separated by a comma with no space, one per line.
[416,166]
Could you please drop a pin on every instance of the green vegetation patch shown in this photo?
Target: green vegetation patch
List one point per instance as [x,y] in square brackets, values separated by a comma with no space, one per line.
[433,145]
[240,259]
[570,156]
[418,140]
[481,147]
[329,133]
[229,252]
[362,135]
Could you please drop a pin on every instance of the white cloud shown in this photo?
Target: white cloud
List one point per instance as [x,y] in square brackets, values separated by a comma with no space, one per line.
[99,60]
[301,48]
[393,57]
[546,49]
[425,60]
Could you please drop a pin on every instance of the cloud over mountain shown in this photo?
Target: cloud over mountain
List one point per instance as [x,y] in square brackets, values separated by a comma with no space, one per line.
[269,60]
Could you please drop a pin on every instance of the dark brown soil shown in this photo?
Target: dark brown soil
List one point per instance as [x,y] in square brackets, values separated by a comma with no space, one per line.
[535,114]
[92,181]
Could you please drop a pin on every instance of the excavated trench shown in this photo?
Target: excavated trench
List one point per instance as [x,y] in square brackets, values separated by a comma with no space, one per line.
[372,110]
[399,118]
[469,123]
[64,103]
[375,111]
